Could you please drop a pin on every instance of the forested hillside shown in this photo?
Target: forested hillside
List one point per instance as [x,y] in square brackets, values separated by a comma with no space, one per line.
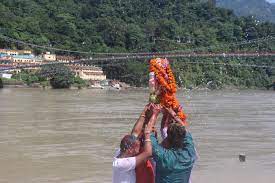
[143,26]
[261,9]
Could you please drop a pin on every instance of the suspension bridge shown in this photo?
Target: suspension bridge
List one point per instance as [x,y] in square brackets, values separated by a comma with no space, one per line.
[148,56]
[201,52]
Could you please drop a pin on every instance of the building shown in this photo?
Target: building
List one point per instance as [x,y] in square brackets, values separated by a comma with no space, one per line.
[24,52]
[8,52]
[88,72]
[5,59]
[11,58]
[10,67]
[49,57]
[65,59]
[5,65]
[24,59]
[5,75]
[15,52]
[18,57]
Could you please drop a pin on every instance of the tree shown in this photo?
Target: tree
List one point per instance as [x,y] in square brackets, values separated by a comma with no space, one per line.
[79,82]
[27,77]
[1,83]
[60,76]
[142,26]
[134,37]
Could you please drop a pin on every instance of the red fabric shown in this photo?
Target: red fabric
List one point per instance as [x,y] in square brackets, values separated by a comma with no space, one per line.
[145,173]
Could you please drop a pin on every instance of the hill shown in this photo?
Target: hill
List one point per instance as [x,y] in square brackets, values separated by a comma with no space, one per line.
[138,25]
[262,9]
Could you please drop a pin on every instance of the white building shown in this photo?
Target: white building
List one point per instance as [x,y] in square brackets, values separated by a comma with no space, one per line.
[5,75]
[23,59]
[88,72]
[49,57]
[65,59]
[15,52]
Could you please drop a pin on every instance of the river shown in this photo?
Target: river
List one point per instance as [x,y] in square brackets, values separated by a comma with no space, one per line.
[69,136]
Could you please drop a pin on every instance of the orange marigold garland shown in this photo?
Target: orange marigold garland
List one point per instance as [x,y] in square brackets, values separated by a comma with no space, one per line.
[163,86]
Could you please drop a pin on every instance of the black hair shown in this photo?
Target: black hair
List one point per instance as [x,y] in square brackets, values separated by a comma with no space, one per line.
[127,142]
[175,135]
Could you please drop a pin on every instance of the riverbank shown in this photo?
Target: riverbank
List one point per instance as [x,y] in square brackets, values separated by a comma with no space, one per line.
[130,88]
[117,85]
[114,85]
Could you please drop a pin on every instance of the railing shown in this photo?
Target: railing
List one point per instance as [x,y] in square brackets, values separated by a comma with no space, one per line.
[152,55]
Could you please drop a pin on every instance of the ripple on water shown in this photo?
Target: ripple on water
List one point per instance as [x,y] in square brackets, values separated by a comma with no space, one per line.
[57,136]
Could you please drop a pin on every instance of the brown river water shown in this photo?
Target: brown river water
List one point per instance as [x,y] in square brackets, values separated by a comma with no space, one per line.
[69,136]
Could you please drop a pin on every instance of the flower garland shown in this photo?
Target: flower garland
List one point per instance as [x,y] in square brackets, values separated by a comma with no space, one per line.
[167,86]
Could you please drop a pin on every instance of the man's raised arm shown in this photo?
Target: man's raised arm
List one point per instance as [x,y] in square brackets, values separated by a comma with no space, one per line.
[137,129]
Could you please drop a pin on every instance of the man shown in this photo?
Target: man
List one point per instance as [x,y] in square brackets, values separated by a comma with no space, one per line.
[129,157]
[174,162]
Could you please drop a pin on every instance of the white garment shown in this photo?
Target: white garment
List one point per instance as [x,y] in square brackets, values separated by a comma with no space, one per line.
[124,169]
[163,133]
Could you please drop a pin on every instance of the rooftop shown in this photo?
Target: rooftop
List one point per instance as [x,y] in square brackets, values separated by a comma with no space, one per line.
[23,56]
[19,51]
[79,67]
[93,73]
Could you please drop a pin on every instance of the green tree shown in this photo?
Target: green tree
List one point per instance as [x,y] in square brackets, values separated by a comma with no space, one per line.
[60,76]
[142,26]
[1,83]
[28,77]
[79,82]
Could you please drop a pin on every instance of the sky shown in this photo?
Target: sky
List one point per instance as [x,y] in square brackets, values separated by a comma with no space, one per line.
[272,1]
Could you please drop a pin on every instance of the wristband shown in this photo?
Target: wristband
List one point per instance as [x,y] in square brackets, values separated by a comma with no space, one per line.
[143,115]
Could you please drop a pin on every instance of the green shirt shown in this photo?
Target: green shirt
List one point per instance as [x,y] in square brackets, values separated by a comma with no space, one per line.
[174,165]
